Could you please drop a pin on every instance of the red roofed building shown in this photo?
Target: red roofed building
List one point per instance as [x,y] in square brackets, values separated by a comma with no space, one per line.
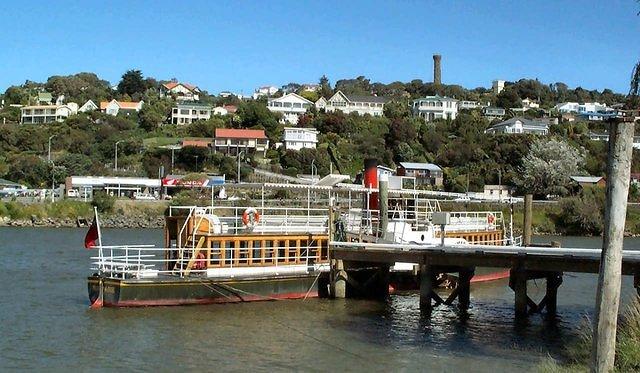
[232,141]
[180,91]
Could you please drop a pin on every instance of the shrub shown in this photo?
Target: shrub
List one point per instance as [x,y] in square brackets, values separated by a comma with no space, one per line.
[103,202]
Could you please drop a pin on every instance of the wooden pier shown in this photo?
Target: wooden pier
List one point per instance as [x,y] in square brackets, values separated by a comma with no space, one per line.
[361,269]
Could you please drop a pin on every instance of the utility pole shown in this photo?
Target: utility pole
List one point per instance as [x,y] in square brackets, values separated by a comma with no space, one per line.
[49,147]
[610,276]
[115,162]
[239,155]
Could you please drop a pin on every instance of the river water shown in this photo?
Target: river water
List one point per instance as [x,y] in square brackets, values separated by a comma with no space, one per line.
[46,323]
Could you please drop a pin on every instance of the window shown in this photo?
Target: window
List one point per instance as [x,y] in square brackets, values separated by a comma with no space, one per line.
[184,111]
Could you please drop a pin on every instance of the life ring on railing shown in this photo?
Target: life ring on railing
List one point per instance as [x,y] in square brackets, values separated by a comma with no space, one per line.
[491,219]
[250,217]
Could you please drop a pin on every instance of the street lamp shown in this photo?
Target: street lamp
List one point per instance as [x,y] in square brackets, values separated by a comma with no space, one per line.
[49,151]
[53,180]
[313,161]
[239,154]
[115,168]
[196,162]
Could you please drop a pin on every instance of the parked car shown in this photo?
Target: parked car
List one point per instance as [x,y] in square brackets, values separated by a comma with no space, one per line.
[144,197]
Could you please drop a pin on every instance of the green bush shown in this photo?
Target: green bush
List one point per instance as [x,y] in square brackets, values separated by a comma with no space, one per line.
[103,202]
[578,354]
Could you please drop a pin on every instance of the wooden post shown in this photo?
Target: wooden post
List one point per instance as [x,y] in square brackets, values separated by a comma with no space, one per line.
[426,287]
[338,279]
[464,286]
[553,282]
[526,227]
[518,282]
[383,193]
[609,279]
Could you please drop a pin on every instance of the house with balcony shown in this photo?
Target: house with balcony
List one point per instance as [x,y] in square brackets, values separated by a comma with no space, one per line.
[424,173]
[180,91]
[299,138]
[435,107]
[372,105]
[184,113]
[115,107]
[468,105]
[231,141]
[291,106]
[517,125]
[42,114]
[492,112]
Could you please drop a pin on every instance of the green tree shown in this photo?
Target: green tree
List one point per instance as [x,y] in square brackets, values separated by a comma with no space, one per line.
[325,87]
[548,167]
[256,114]
[396,109]
[131,83]
[508,99]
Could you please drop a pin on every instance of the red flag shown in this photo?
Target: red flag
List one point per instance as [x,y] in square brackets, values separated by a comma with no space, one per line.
[92,235]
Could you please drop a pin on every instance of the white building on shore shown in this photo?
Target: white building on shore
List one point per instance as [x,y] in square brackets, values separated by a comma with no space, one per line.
[372,105]
[300,138]
[435,107]
[40,114]
[291,106]
[188,113]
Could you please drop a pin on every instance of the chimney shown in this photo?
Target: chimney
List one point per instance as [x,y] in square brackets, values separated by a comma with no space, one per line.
[437,76]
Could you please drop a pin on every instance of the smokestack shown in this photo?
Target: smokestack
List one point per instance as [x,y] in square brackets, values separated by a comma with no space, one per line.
[437,75]
[371,181]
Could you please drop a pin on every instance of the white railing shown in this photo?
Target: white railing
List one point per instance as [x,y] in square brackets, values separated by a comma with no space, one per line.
[271,220]
[147,261]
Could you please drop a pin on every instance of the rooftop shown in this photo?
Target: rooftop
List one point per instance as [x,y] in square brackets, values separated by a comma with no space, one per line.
[586,179]
[172,85]
[420,166]
[240,133]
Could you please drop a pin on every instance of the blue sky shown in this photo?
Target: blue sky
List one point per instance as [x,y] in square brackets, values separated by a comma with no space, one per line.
[239,45]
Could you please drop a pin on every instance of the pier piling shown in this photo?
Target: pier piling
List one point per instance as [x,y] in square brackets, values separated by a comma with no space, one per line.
[528,219]
[610,275]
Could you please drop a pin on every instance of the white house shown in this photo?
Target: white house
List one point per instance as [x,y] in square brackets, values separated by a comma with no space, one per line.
[468,105]
[299,138]
[290,105]
[528,103]
[264,91]
[114,107]
[189,113]
[39,114]
[492,112]
[362,105]
[232,141]
[435,107]
[498,86]
[567,107]
[181,91]
[88,106]
[220,110]
[520,125]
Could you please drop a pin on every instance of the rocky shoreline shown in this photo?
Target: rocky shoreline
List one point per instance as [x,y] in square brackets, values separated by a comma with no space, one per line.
[106,221]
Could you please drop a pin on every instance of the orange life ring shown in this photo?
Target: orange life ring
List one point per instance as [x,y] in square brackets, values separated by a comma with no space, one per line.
[490,219]
[250,217]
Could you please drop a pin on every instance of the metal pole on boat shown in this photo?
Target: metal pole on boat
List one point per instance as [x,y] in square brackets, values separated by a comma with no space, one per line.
[383,189]
[610,276]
